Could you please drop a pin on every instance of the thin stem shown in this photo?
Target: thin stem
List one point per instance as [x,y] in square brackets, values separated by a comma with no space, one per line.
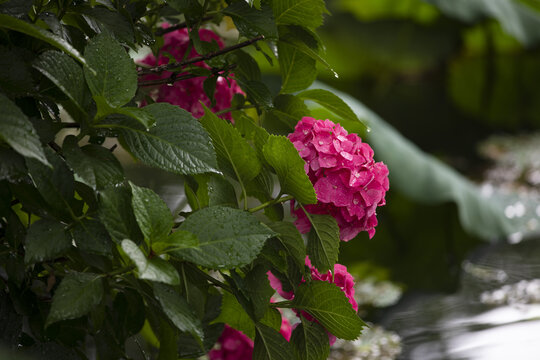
[120,271]
[271,202]
[164,31]
[282,304]
[175,77]
[159,69]
[224,111]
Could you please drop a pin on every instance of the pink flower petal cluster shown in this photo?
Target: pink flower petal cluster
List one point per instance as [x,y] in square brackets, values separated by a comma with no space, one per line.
[235,345]
[341,278]
[188,93]
[349,184]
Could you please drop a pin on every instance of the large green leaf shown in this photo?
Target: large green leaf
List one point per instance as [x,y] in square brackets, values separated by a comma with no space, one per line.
[77,294]
[298,70]
[177,310]
[177,143]
[289,166]
[18,131]
[11,23]
[110,74]
[308,13]
[92,237]
[116,213]
[228,238]
[65,73]
[152,214]
[176,241]
[434,182]
[93,165]
[103,20]
[45,240]
[251,21]
[291,239]
[271,345]
[329,305]
[235,155]
[235,316]
[288,110]
[323,242]
[303,40]
[331,102]
[154,269]
[310,341]
[516,19]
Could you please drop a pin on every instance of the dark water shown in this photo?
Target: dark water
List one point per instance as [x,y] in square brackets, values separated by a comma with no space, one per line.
[494,316]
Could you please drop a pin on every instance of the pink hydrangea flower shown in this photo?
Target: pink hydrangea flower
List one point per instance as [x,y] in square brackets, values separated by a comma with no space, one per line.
[342,279]
[349,184]
[235,345]
[188,93]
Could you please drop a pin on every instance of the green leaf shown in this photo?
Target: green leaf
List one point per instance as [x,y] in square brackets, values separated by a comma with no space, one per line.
[234,315]
[287,112]
[310,341]
[323,242]
[329,305]
[45,240]
[12,166]
[308,13]
[331,102]
[298,70]
[290,238]
[235,155]
[77,294]
[250,21]
[93,165]
[114,78]
[155,269]
[103,20]
[176,241]
[16,77]
[140,114]
[248,68]
[116,213]
[18,131]
[178,311]
[257,92]
[37,32]
[220,191]
[92,237]
[56,184]
[303,40]
[258,290]
[65,73]
[289,166]
[177,143]
[271,345]
[228,238]
[152,214]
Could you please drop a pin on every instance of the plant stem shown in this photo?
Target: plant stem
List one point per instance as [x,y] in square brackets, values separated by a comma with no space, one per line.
[164,31]
[121,271]
[282,304]
[224,111]
[159,69]
[271,202]
[175,77]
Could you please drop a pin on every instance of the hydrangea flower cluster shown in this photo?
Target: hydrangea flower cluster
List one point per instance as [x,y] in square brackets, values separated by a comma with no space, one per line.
[235,345]
[342,278]
[349,184]
[188,93]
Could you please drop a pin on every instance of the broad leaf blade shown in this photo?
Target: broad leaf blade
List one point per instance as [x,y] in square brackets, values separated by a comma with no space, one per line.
[271,345]
[328,304]
[291,239]
[308,13]
[177,143]
[289,166]
[235,316]
[18,131]
[114,77]
[140,114]
[228,238]
[155,269]
[45,240]
[234,153]
[298,70]
[152,214]
[65,73]
[178,311]
[92,237]
[178,240]
[77,294]
[323,242]
[310,341]
[93,165]
[251,21]
[116,214]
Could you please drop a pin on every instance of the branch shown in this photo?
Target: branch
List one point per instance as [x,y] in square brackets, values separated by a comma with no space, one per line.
[164,31]
[159,69]
[175,77]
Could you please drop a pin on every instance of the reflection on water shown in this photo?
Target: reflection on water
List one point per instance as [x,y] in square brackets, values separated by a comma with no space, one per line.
[495,315]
